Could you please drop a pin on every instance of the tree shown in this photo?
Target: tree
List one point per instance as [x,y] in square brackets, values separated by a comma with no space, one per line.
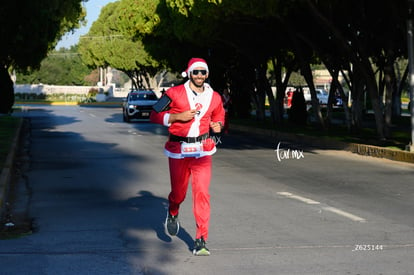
[360,39]
[29,40]
[30,29]
[60,67]
[363,31]
[115,40]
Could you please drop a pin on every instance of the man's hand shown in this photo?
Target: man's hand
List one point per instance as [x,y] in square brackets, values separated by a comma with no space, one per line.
[184,116]
[216,127]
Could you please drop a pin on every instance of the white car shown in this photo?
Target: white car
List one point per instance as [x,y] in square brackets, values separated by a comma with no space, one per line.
[138,105]
[321,94]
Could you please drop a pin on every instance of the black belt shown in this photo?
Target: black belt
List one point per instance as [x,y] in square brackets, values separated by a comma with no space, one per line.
[188,139]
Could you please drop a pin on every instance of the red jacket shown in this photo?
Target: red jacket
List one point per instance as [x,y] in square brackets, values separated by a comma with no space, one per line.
[208,103]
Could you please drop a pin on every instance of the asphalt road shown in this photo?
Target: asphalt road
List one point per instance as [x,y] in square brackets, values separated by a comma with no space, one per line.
[98,197]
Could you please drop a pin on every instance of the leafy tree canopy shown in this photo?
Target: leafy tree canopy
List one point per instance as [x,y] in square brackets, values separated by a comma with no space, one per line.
[242,36]
[115,39]
[60,67]
[30,29]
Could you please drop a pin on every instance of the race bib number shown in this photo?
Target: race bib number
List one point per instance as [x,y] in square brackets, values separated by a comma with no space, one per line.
[191,149]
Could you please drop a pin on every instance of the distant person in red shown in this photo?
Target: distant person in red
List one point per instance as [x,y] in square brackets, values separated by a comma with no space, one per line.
[193,110]
[289,98]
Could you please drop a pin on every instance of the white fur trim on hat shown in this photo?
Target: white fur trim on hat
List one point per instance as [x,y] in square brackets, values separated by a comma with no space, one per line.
[194,63]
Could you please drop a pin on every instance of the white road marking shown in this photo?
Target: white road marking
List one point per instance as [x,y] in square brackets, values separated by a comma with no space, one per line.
[344,214]
[326,208]
[299,198]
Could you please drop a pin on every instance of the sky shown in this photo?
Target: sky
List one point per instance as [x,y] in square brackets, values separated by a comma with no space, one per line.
[93,9]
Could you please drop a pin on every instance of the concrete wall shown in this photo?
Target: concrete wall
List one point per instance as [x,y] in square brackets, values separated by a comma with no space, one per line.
[75,90]
[51,89]
[54,89]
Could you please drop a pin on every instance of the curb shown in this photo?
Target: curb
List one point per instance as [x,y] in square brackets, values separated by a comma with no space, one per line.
[379,152]
[327,143]
[6,172]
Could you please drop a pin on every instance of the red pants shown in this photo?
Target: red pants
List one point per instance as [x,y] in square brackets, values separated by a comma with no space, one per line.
[200,171]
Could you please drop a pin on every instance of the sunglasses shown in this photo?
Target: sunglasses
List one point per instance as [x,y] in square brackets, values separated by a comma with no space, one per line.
[196,72]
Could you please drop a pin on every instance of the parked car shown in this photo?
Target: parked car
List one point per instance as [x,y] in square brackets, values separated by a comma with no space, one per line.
[321,94]
[138,105]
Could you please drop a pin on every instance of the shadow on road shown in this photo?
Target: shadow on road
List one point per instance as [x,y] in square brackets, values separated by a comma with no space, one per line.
[150,214]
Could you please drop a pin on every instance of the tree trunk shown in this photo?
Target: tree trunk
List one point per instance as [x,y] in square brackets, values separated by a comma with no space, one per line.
[357,95]
[260,94]
[400,82]
[338,86]
[241,88]
[281,86]
[372,89]
[359,58]
[307,74]
[6,91]
[390,91]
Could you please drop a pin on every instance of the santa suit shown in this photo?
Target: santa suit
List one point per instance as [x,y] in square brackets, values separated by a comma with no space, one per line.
[210,107]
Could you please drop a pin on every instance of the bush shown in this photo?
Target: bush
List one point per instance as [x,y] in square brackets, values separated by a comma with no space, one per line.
[52,97]
[93,92]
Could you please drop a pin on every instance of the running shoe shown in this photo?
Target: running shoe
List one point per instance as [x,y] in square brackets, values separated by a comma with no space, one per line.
[200,248]
[172,224]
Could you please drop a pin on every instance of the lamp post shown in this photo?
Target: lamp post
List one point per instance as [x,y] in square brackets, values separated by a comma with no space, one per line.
[410,45]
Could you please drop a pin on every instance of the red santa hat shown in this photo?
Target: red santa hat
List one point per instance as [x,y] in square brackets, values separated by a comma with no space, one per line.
[194,63]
